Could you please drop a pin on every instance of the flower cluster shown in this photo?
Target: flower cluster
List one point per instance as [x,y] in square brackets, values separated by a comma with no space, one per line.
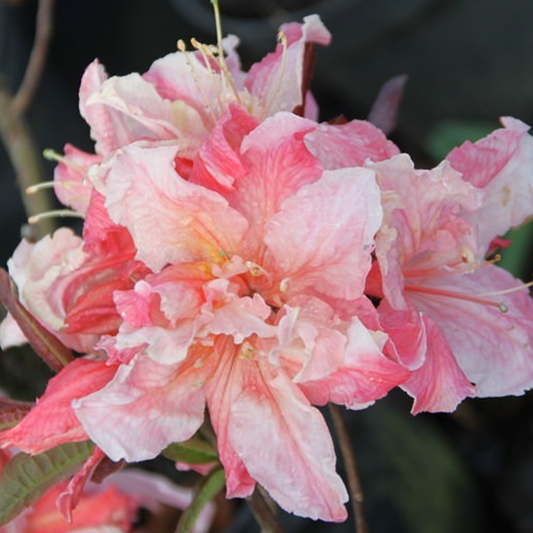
[238,255]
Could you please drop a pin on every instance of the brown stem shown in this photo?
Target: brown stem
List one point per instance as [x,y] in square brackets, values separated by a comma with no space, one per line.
[25,159]
[34,69]
[350,465]
[263,513]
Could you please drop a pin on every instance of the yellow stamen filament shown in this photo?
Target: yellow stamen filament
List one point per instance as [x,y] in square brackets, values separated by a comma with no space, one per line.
[207,56]
[60,213]
[458,296]
[211,52]
[207,104]
[32,189]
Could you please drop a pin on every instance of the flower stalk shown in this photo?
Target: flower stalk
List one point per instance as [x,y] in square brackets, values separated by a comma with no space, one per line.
[350,465]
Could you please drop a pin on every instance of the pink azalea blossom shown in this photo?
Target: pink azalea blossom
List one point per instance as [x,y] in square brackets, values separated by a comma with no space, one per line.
[182,95]
[209,300]
[230,245]
[168,103]
[471,318]
[229,316]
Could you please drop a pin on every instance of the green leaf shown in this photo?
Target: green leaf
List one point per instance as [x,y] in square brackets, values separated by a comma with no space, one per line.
[53,352]
[448,134]
[207,489]
[194,451]
[27,477]
[516,259]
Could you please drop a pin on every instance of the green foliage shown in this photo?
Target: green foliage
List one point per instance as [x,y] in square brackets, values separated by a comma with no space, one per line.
[448,134]
[195,451]
[207,489]
[26,478]
[516,258]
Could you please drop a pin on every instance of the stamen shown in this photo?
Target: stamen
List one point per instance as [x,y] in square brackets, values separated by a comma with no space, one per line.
[284,285]
[509,291]
[208,56]
[461,269]
[254,269]
[207,104]
[32,189]
[458,296]
[282,39]
[218,25]
[206,53]
[51,155]
[247,351]
[62,213]
[226,76]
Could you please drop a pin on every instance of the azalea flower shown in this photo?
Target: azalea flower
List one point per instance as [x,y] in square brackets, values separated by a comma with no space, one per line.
[182,96]
[178,100]
[232,257]
[235,312]
[467,319]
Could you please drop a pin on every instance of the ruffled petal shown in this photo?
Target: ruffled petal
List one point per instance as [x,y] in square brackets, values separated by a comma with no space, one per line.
[285,444]
[218,164]
[363,375]
[127,109]
[71,185]
[221,390]
[349,145]
[439,384]
[279,80]
[500,165]
[143,409]
[170,219]
[322,238]
[52,421]
[494,349]
[277,165]
[424,228]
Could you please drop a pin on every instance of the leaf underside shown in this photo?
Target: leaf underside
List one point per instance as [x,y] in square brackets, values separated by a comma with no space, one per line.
[27,477]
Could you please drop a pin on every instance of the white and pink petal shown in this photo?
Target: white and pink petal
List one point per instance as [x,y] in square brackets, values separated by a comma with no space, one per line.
[285,444]
[322,238]
[500,165]
[52,421]
[171,220]
[146,407]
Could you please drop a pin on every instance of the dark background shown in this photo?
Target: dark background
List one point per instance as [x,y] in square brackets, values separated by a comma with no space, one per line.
[467,60]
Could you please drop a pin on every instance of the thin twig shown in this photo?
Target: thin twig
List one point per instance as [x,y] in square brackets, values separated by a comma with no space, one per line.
[34,69]
[25,159]
[350,465]
[263,513]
